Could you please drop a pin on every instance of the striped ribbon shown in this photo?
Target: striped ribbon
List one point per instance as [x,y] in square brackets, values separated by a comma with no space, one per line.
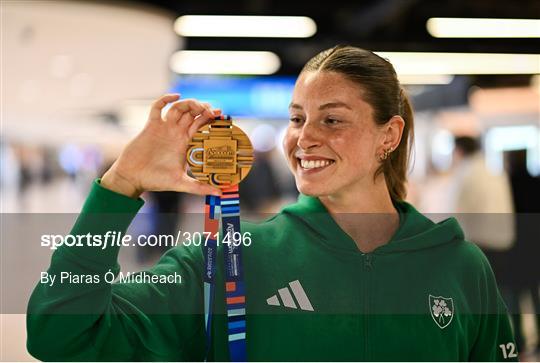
[229,208]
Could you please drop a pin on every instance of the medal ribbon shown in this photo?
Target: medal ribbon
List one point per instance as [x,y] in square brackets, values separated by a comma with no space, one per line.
[221,154]
[235,299]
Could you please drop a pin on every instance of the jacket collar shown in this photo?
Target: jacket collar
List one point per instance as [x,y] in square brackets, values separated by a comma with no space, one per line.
[415,231]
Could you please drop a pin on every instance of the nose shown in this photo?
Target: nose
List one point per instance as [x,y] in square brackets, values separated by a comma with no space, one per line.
[309,136]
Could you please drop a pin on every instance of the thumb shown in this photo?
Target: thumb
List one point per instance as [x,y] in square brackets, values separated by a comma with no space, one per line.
[194,186]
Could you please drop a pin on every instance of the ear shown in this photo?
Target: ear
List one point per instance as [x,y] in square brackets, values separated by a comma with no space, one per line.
[391,133]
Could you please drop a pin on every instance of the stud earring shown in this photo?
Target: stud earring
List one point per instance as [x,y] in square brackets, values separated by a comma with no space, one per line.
[386,154]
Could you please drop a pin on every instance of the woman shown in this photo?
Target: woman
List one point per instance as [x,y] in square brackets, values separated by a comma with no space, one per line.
[349,272]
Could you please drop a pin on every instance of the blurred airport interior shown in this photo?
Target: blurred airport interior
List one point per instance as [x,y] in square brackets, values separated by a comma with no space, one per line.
[78,78]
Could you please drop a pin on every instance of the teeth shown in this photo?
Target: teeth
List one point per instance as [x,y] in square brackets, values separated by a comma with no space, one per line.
[311,164]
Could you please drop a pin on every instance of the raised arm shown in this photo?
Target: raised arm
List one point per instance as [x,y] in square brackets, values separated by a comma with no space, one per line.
[88,318]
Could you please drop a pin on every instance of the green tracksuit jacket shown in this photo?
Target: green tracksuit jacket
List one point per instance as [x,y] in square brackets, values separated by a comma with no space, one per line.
[311,295]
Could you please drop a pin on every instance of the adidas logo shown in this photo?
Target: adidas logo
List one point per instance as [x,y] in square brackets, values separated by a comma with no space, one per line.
[286,298]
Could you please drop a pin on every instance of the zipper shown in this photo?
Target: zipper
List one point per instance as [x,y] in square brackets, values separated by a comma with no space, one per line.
[368,261]
[368,266]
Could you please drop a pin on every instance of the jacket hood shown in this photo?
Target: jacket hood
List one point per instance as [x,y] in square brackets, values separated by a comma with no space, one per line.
[415,230]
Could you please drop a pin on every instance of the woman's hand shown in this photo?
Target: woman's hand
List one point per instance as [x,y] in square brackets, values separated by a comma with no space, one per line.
[155,160]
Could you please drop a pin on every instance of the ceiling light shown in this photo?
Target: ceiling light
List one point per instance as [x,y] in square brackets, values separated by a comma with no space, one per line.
[418,63]
[483,28]
[245,26]
[425,79]
[224,62]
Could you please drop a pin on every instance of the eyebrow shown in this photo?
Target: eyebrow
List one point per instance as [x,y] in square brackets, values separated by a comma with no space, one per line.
[323,107]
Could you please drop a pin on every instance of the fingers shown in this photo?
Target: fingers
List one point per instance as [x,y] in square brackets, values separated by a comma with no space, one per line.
[193,107]
[200,122]
[194,186]
[215,111]
[197,124]
[157,105]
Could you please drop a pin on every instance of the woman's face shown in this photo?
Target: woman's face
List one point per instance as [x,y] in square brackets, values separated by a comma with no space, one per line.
[332,141]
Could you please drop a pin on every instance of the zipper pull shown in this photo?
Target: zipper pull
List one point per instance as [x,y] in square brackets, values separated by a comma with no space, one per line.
[368,261]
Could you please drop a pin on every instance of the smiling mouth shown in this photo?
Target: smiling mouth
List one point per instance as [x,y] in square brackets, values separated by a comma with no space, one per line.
[314,164]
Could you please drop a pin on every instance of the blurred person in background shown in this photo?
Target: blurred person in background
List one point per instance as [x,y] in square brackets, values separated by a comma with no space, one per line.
[10,168]
[32,164]
[481,199]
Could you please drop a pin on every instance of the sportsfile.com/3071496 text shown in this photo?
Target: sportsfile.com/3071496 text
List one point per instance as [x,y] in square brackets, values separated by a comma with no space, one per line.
[116,238]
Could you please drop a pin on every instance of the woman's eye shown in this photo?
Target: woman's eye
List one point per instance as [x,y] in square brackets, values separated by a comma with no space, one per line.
[331,121]
[295,119]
